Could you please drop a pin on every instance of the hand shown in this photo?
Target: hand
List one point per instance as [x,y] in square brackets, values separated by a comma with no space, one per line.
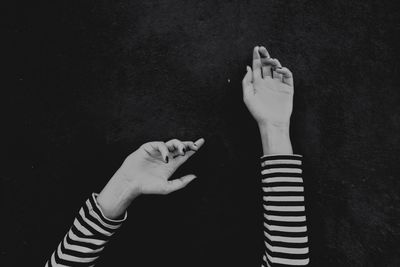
[149,167]
[146,171]
[268,89]
[268,94]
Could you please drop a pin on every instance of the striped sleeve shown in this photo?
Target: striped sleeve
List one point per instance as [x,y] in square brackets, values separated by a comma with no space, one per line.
[285,227]
[85,241]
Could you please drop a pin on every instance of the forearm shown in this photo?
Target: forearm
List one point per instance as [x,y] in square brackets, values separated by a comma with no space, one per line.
[116,196]
[285,225]
[96,222]
[87,237]
[285,228]
[275,138]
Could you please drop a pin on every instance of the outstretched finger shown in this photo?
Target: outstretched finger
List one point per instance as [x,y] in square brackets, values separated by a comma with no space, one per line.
[287,76]
[266,68]
[180,183]
[256,64]
[199,143]
[176,146]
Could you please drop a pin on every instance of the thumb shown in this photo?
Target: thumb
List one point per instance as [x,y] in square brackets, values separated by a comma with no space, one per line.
[180,183]
[247,80]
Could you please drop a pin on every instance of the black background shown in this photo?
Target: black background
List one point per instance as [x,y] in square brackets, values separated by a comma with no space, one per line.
[89,81]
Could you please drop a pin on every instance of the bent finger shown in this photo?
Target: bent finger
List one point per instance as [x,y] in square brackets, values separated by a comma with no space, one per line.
[287,76]
[197,145]
[189,145]
[276,75]
[176,145]
[163,149]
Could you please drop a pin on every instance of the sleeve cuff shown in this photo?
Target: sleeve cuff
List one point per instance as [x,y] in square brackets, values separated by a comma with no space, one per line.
[282,156]
[96,212]
[281,160]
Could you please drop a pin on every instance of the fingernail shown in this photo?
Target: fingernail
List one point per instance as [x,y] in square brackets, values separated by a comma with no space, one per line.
[166,159]
[277,67]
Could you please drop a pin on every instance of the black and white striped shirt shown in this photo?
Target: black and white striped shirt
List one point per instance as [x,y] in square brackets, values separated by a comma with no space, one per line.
[85,241]
[285,229]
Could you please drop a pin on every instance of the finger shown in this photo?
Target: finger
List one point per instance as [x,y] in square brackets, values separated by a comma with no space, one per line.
[264,52]
[276,75]
[189,145]
[269,61]
[198,144]
[268,65]
[256,64]
[248,77]
[176,145]
[247,81]
[180,183]
[162,148]
[266,68]
[287,76]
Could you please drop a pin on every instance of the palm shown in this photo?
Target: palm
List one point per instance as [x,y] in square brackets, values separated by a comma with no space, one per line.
[152,170]
[270,100]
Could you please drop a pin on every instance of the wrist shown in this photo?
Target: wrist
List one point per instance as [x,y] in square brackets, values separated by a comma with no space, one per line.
[116,196]
[275,138]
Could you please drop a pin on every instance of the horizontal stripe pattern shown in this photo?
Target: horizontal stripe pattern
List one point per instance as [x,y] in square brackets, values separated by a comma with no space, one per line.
[285,228]
[85,240]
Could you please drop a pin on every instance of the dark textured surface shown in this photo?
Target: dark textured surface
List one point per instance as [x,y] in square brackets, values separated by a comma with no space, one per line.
[92,80]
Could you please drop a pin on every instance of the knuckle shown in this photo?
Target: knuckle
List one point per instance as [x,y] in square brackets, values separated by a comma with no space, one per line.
[190,144]
[144,145]
[287,70]
[256,62]
[161,145]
